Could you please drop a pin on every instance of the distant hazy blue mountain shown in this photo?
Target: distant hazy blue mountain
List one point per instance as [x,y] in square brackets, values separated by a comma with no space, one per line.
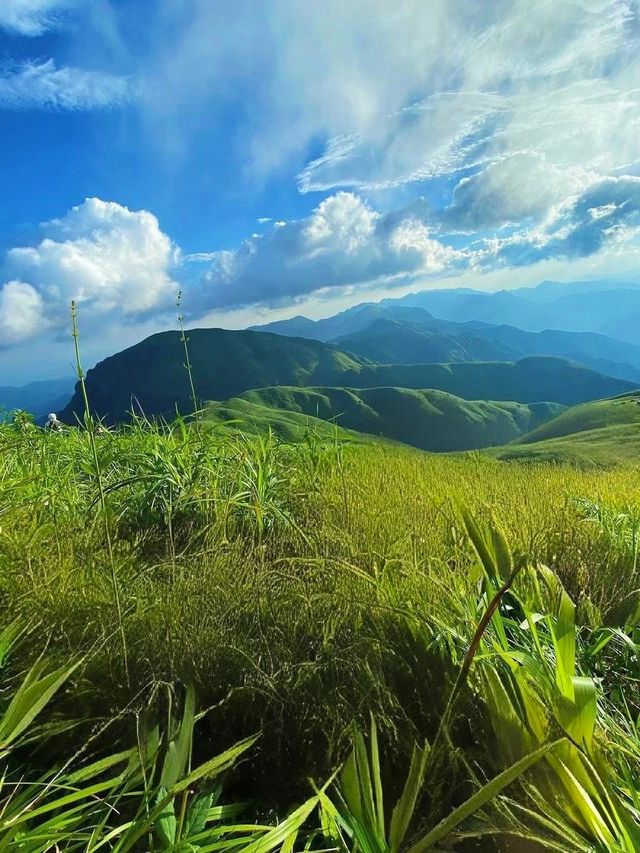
[400,333]
[609,308]
[393,341]
[549,290]
[346,323]
[38,398]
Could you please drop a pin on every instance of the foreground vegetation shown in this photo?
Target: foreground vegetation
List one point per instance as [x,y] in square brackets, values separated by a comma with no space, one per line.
[185,608]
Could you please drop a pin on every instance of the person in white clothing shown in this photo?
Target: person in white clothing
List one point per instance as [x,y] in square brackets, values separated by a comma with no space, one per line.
[53,424]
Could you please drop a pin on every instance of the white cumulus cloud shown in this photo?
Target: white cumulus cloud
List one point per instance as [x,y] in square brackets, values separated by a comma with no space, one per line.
[346,245]
[21,312]
[114,262]
[343,243]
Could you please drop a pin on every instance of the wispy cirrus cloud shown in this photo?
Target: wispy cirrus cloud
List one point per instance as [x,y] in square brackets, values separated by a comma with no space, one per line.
[402,95]
[44,86]
[32,17]
[500,78]
[506,116]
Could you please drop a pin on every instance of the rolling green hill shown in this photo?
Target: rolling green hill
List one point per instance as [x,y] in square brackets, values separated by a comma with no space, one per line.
[250,416]
[601,432]
[430,420]
[530,380]
[150,376]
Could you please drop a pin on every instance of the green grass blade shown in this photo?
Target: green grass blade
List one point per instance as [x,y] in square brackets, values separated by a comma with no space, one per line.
[377,779]
[481,798]
[405,807]
[279,835]
[29,700]
[179,750]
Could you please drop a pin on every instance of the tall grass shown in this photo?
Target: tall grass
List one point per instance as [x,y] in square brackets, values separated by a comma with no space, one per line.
[300,589]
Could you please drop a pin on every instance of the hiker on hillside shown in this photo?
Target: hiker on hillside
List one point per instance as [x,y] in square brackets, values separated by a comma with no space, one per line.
[53,424]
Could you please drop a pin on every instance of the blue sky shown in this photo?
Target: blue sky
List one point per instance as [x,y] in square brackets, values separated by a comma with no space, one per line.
[290,157]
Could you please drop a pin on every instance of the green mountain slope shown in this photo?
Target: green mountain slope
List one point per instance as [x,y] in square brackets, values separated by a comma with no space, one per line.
[150,376]
[601,432]
[251,416]
[431,420]
[602,353]
[529,380]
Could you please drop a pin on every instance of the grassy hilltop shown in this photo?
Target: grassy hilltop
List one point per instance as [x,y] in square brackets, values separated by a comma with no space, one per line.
[600,432]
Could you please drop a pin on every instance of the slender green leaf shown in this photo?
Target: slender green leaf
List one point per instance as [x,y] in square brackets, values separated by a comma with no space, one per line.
[405,807]
[481,798]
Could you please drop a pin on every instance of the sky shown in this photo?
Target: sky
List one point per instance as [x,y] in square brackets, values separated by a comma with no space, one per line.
[290,157]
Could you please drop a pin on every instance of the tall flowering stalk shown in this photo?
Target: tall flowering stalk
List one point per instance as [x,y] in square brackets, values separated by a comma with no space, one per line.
[184,340]
[90,429]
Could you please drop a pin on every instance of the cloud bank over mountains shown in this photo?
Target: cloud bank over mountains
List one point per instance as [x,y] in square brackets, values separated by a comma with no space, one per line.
[428,141]
[120,266]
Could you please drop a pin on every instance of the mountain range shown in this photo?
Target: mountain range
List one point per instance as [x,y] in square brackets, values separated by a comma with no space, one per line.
[399,334]
[427,369]
[150,376]
[607,307]
[38,398]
